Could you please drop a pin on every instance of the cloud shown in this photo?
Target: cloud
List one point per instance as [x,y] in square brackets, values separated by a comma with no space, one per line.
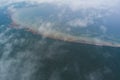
[103,28]
[45,26]
[77,4]
[96,8]
[79,23]
[73,4]
[15,61]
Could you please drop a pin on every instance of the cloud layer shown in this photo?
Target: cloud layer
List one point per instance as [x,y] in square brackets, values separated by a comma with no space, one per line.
[73,4]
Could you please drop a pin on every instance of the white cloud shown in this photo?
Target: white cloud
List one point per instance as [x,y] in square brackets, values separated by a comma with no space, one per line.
[79,23]
[45,28]
[3,38]
[77,4]
[73,4]
[103,28]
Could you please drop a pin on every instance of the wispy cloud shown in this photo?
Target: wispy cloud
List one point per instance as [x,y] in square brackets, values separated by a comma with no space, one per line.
[73,4]
[79,23]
